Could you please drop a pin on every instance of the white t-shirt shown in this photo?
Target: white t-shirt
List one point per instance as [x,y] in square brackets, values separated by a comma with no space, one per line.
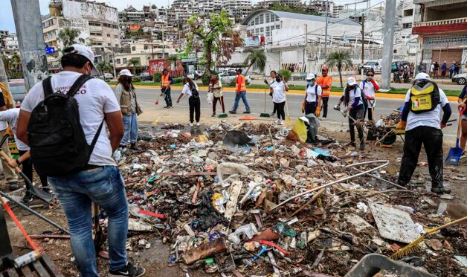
[368,89]
[3,124]
[430,119]
[353,94]
[279,92]
[310,92]
[11,116]
[95,99]
[187,91]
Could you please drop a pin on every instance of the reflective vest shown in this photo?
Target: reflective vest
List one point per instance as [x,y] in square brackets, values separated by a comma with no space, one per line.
[241,79]
[322,81]
[165,82]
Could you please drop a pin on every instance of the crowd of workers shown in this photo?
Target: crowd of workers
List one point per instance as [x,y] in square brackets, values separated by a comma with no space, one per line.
[107,120]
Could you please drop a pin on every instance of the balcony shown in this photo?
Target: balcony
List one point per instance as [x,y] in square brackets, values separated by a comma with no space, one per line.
[440,26]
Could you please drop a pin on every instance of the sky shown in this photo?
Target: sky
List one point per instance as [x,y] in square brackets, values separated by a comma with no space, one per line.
[7,22]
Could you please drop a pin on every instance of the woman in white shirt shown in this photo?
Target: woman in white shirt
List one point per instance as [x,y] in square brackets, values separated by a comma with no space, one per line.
[191,90]
[313,95]
[278,89]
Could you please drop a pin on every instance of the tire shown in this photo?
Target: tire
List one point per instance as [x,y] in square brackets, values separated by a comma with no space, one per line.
[389,139]
[461,81]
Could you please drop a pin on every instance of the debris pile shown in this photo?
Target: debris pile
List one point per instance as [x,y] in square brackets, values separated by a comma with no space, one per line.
[244,200]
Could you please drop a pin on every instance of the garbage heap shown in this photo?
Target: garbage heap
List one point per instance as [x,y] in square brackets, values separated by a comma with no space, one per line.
[246,201]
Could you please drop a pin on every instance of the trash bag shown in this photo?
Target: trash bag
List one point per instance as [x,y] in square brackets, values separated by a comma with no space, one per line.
[312,128]
[300,129]
[237,138]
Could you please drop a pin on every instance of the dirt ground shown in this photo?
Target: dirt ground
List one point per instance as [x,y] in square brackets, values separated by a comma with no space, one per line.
[155,259]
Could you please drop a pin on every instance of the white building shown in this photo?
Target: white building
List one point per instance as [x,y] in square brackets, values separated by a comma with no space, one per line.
[9,44]
[406,44]
[297,40]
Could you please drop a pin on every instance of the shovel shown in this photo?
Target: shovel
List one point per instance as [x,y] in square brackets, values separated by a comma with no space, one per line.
[455,153]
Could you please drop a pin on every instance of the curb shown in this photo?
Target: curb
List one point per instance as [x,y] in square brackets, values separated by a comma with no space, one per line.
[393,96]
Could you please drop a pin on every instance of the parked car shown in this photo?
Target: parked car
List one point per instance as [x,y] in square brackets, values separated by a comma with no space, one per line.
[227,77]
[17,89]
[459,79]
[371,65]
[145,76]
[108,76]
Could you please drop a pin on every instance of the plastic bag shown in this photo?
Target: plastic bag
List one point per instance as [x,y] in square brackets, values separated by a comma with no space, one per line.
[300,129]
[209,98]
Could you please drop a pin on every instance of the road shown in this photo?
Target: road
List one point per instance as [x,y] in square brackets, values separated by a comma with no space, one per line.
[156,113]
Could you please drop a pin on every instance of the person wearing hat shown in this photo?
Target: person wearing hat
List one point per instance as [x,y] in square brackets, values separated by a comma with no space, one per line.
[421,120]
[100,181]
[126,96]
[313,96]
[278,91]
[369,86]
[354,101]
[325,82]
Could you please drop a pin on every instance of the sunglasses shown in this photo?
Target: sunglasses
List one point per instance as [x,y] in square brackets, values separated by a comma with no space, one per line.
[370,75]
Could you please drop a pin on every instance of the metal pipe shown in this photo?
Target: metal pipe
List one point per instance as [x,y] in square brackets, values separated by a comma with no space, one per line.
[34,212]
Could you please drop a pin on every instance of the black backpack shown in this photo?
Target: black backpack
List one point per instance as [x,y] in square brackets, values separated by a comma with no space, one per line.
[58,143]
[194,90]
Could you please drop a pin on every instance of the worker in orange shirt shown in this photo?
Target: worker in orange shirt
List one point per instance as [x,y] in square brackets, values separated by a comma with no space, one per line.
[166,81]
[325,82]
[241,92]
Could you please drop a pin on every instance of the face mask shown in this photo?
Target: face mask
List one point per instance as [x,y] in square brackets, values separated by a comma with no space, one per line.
[278,79]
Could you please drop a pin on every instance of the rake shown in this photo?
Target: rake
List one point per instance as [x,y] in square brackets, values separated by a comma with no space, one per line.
[413,246]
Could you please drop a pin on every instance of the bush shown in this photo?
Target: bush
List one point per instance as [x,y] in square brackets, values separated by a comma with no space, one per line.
[157,77]
[205,79]
[286,74]
[232,83]
[136,79]
[177,80]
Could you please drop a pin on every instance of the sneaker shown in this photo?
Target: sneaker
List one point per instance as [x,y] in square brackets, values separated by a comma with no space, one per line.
[213,115]
[198,124]
[351,144]
[130,270]
[134,147]
[441,190]
[281,122]
[246,112]
[232,112]
[166,107]
[191,124]
[278,121]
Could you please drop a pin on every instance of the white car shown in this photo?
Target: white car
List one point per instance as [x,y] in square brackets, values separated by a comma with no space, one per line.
[108,76]
[459,78]
[227,77]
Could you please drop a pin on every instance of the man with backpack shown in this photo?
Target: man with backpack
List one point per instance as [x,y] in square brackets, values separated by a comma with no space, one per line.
[73,123]
[420,118]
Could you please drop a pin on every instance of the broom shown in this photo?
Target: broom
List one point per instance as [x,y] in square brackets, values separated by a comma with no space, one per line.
[413,246]
[265,114]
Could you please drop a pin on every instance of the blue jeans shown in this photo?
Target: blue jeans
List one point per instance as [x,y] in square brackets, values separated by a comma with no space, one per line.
[241,95]
[130,129]
[105,187]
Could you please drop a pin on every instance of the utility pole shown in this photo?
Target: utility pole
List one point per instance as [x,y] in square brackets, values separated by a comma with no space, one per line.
[31,40]
[389,26]
[305,47]
[362,38]
[326,31]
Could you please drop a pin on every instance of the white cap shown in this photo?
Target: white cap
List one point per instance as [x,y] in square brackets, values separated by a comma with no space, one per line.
[311,76]
[305,119]
[351,81]
[125,72]
[82,50]
[422,76]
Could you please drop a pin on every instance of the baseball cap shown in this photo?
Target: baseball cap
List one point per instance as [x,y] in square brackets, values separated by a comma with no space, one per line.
[422,76]
[311,76]
[125,72]
[351,81]
[84,51]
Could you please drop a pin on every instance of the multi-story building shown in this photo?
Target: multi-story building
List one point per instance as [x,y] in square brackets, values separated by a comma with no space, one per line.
[322,6]
[268,3]
[238,9]
[97,24]
[8,43]
[406,44]
[441,27]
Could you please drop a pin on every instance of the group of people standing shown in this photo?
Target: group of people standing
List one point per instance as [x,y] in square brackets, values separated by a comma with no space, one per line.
[440,71]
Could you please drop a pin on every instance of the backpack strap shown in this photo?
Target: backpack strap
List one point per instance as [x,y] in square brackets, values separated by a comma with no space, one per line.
[94,141]
[78,84]
[47,86]
[316,93]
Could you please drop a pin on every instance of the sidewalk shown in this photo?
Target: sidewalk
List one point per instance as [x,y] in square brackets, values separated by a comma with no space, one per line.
[295,92]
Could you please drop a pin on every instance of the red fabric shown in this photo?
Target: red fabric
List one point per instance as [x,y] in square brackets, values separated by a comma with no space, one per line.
[376,86]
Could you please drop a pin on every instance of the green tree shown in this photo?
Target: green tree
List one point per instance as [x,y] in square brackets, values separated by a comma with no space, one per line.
[13,66]
[68,36]
[340,59]
[104,67]
[208,33]
[134,62]
[256,58]
[286,74]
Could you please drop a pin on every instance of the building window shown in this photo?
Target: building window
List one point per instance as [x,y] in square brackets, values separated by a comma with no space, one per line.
[146,47]
[278,26]
[261,31]
[108,35]
[267,19]
[408,12]
[124,60]
[261,19]
[116,36]
[118,60]
[109,44]
[257,20]
[133,48]
[407,25]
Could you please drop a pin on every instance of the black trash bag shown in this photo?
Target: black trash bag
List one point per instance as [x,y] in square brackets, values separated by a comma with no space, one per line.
[237,138]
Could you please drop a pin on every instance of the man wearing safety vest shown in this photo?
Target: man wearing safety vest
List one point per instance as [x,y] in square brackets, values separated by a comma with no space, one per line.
[166,81]
[325,82]
[241,92]
[421,120]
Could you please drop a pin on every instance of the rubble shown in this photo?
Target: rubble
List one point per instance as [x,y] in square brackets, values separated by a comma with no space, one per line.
[246,201]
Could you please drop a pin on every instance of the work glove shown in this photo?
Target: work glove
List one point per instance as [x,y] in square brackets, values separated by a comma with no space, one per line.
[317,111]
[401,125]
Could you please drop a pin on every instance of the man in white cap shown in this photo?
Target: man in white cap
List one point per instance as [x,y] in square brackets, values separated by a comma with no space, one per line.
[354,101]
[99,181]
[421,120]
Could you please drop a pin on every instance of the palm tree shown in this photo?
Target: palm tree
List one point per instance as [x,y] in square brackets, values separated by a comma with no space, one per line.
[104,67]
[134,62]
[339,59]
[68,36]
[256,58]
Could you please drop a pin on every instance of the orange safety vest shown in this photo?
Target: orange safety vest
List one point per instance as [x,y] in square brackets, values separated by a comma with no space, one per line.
[242,80]
[324,81]
[165,81]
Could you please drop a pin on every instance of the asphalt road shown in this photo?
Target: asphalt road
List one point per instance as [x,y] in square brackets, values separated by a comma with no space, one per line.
[147,97]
